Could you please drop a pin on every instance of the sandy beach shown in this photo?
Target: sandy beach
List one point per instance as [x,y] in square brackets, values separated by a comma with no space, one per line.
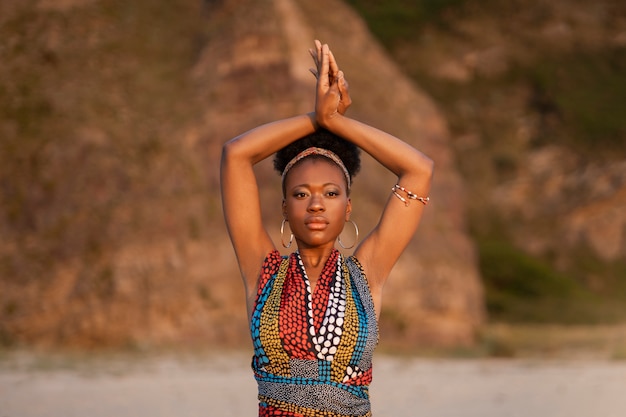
[222,385]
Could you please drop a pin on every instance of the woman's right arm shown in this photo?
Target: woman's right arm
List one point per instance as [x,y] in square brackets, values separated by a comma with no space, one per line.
[240,193]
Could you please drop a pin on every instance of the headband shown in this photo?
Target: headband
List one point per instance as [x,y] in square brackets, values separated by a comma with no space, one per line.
[318,151]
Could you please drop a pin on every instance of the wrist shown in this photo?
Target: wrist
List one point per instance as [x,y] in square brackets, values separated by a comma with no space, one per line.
[313,118]
[330,121]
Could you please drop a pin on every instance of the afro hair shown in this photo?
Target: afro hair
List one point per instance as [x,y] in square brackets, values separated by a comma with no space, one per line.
[348,152]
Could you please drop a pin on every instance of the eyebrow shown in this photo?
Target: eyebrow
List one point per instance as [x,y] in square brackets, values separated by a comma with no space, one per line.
[334,184]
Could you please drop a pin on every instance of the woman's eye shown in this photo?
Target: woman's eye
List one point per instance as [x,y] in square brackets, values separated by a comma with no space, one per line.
[300,195]
[332,193]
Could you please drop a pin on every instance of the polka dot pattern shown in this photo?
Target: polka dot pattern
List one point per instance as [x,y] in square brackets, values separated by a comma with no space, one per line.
[313,350]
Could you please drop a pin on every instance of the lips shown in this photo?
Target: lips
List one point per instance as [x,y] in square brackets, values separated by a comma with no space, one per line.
[316,223]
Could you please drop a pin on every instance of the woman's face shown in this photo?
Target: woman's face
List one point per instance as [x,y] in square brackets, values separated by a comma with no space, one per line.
[316,202]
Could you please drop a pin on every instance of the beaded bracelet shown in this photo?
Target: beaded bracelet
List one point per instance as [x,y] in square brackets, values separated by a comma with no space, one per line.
[409,194]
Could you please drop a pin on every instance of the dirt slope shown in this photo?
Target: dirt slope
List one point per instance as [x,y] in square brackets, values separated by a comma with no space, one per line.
[112,228]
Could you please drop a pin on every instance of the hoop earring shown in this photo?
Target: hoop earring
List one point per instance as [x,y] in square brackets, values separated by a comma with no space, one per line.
[356,238]
[282,239]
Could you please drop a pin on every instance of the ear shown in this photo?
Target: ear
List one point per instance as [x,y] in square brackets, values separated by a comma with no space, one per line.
[348,209]
[284,208]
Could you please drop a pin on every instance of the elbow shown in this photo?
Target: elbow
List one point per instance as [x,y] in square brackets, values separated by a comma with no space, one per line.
[430,171]
[421,172]
[230,151]
[425,167]
[239,150]
[430,167]
[228,158]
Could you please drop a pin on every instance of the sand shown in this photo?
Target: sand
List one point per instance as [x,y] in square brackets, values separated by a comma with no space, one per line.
[222,385]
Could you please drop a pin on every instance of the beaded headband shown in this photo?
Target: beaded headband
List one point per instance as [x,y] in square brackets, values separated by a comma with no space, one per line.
[317,151]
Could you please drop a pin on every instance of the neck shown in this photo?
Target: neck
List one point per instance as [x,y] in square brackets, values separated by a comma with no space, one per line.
[314,257]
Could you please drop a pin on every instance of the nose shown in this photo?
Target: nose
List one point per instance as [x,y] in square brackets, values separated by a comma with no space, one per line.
[316,204]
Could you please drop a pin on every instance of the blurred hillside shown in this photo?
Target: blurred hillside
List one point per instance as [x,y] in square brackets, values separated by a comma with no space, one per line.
[112,117]
[534,94]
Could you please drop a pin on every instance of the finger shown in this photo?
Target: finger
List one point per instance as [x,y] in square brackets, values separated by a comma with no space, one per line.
[334,68]
[342,83]
[334,94]
[313,54]
[335,88]
[345,100]
[323,68]
[318,50]
[318,45]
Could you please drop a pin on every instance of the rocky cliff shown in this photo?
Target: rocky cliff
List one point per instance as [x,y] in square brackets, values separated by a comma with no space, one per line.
[534,92]
[113,115]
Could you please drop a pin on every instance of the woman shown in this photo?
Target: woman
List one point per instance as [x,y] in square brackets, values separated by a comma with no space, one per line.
[313,314]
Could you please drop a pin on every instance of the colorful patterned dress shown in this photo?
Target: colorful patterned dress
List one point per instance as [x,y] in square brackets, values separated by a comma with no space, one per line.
[313,351]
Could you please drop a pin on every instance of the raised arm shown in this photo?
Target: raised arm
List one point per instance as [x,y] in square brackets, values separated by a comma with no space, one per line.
[379,251]
[240,193]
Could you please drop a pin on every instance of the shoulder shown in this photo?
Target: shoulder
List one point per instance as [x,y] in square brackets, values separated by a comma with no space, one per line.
[272,261]
[356,268]
[270,267]
[369,290]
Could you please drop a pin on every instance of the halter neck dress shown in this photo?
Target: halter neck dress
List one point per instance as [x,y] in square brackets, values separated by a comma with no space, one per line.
[313,350]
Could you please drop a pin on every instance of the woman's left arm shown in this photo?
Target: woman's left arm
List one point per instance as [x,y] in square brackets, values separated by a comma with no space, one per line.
[380,250]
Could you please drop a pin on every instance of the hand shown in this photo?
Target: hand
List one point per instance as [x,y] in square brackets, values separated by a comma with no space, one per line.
[335,76]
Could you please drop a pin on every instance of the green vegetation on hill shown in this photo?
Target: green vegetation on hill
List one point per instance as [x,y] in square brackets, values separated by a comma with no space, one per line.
[573,95]
[582,89]
[525,289]
[401,20]
[585,91]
